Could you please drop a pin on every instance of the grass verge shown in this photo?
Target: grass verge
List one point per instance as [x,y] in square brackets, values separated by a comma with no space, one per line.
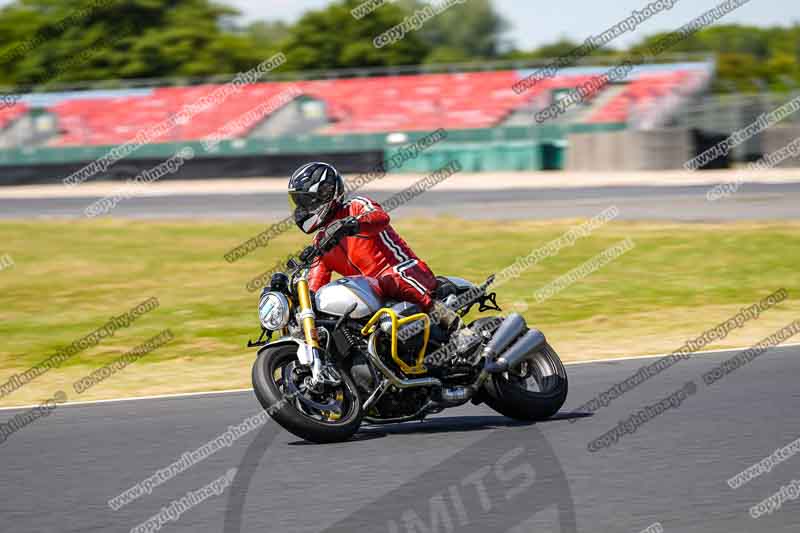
[70,277]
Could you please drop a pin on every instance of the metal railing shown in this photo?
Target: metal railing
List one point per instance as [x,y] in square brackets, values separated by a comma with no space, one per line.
[329,74]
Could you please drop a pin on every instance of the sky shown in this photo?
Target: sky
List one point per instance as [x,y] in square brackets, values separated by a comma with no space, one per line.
[538,22]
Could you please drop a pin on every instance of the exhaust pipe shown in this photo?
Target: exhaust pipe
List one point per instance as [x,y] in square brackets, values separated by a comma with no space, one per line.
[526,345]
[511,328]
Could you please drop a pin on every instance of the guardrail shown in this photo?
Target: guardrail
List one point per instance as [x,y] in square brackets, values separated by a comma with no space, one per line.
[443,68]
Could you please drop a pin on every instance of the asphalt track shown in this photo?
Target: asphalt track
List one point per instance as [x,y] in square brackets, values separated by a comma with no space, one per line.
[458,471]
[753,201]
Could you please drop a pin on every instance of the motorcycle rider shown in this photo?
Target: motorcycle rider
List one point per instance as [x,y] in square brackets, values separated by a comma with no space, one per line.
[366,243]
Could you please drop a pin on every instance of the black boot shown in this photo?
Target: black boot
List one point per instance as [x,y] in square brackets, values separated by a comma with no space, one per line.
[448,319]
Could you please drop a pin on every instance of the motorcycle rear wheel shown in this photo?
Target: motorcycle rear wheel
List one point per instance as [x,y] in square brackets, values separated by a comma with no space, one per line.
[510,393]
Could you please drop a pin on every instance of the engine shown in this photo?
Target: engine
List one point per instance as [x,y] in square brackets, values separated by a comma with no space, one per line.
[402,403]
[398,403]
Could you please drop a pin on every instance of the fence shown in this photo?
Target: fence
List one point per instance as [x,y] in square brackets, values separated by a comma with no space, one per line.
[517,148]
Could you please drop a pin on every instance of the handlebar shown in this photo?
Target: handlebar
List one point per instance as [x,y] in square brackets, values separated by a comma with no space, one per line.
[330,237]
[309,254]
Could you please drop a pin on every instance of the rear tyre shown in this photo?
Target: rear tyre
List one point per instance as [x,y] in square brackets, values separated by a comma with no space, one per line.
[533,390]
[298,412]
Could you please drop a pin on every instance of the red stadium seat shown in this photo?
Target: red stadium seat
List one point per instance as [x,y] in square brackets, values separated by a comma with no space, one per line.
[641,92]
[357,105]
[354,105]
[10,113]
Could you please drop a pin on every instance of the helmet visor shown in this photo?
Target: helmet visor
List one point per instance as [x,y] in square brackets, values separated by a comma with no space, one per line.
[307,201]
[309,220]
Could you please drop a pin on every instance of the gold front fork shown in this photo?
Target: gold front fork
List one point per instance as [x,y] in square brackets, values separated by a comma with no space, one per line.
[307,313]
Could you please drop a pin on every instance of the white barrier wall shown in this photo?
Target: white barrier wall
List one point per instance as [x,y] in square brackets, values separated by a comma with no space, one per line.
[778,137]
[665,149]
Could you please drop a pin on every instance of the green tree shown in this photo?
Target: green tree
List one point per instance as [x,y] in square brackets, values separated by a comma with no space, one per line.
[739,72]
[464,32]
[782,72]
[119,39]
[332,38]
[47,41]
[268,34]
[748,57]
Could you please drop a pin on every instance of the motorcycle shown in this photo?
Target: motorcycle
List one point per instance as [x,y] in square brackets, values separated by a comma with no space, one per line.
[344,356]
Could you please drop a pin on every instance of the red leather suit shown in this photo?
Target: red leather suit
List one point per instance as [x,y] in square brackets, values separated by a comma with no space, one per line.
[378,252]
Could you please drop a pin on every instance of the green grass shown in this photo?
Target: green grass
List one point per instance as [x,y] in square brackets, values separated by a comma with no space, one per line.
[70,277]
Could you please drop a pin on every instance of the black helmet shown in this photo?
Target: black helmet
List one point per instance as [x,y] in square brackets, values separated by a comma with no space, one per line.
[315,193]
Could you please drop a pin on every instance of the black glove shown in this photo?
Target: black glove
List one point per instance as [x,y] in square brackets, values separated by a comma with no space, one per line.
[347,227]
[307,253]
[329,244]
[350,226]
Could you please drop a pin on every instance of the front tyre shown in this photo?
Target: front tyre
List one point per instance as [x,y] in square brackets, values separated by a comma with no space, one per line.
[533,390]
[329,414]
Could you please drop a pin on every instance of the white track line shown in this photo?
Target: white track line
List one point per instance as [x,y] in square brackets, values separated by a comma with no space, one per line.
[633,357]
[396,182]
[135,398]
[234,391]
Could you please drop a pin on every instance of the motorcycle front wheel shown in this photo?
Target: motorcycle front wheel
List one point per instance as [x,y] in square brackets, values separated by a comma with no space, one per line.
[533,390]
[330,413]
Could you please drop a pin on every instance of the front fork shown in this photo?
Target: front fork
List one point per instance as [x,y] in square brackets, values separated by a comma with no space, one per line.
[308,353]
[306,314]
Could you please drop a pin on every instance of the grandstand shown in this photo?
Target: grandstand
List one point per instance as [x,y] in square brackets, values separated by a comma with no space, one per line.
[490,126]
[382,104]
